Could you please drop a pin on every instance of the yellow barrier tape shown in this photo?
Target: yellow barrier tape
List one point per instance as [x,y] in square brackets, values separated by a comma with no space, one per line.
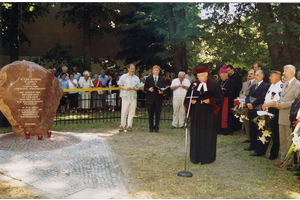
[90,89]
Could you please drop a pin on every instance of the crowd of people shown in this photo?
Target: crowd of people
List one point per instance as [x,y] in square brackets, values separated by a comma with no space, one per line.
[277,94]
[210,98]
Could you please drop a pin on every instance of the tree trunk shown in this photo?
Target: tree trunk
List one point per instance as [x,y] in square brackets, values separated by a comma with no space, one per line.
[179,51]
[86,40]
[14,43]
[281,54]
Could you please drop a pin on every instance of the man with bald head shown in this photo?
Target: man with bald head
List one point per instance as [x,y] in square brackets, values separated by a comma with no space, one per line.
[254,101]
[179,86]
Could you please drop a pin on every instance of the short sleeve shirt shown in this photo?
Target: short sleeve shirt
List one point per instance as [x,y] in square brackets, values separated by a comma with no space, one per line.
[129,81]
[274,92]
[180,92]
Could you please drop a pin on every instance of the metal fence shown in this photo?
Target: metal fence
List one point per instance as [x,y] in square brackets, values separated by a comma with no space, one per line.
[92,114]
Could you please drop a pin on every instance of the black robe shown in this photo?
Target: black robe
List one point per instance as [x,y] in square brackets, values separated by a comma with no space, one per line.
[203,131]
[228,86]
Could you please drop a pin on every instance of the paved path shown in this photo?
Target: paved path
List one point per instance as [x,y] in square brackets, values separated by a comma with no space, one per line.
[71,166]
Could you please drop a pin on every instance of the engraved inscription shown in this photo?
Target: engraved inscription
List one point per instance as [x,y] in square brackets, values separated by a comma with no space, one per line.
[29,97]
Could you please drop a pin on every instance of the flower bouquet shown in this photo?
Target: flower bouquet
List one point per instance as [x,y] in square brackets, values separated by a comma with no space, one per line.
[295,146]
[263,123]
[240,109]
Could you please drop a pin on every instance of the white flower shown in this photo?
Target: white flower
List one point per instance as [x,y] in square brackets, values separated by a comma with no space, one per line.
[261,124]
[266,133]
[236,116]
[262,139]
[241,120]
[296,141]
[242,116]
[246,118]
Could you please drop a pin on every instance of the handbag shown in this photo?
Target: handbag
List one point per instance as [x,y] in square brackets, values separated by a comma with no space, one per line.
[99,91]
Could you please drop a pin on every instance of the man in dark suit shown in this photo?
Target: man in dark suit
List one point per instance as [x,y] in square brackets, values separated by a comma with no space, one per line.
[238,84]
[254,101]
[154,97]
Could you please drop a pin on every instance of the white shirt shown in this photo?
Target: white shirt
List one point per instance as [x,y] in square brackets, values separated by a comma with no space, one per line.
[85,84]
[71,86]
[274,92]
[180,92]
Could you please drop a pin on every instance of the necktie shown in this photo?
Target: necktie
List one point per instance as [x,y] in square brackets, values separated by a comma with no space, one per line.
[287,85]
[256,86]
[249,84]
[155,80]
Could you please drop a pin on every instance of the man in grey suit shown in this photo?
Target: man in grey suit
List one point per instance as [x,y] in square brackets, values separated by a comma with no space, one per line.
[290,91]
[243,93]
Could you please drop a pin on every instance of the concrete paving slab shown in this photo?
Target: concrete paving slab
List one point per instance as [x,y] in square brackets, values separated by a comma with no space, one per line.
[90,193]
[59,168]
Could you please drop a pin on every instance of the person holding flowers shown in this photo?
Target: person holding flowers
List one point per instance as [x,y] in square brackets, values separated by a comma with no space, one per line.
[254,101]
[271,98]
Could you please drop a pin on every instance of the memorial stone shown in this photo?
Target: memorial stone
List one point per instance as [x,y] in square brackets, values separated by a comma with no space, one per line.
[29,97]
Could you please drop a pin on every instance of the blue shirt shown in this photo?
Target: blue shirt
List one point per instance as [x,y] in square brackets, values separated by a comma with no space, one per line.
[103,79]
[129,81]
[63,84]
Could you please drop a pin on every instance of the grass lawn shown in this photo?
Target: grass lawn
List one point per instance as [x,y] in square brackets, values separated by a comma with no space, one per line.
[150,163]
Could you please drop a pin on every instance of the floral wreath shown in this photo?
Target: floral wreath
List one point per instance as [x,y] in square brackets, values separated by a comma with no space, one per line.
[240,109]
[295,146]
[263,123]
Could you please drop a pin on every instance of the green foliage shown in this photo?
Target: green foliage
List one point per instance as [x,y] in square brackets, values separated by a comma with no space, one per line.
[233,38]
[155,32]
[58,56]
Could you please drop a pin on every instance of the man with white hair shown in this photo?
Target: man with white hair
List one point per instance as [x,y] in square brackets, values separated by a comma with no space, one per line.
[179,86]
[64,69]
[290,91]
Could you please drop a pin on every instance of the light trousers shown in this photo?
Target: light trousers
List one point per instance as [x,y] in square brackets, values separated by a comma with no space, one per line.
[285,141]
[178,112]
[247,128]
[128,109]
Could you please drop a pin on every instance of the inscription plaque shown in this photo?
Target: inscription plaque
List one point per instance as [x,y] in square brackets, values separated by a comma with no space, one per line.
[29,97]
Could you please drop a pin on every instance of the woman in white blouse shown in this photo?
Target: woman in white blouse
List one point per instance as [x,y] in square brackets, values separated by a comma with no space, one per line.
[86,82]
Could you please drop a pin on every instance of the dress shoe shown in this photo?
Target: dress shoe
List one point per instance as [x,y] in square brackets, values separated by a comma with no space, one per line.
[295,168]
[129,129]
[246,141]
[150,130]
[297,174]
[121,129]
[173,127]
[272,157]
[255,154]
[279,163]
[156,130]
[283,165]
[249,149]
